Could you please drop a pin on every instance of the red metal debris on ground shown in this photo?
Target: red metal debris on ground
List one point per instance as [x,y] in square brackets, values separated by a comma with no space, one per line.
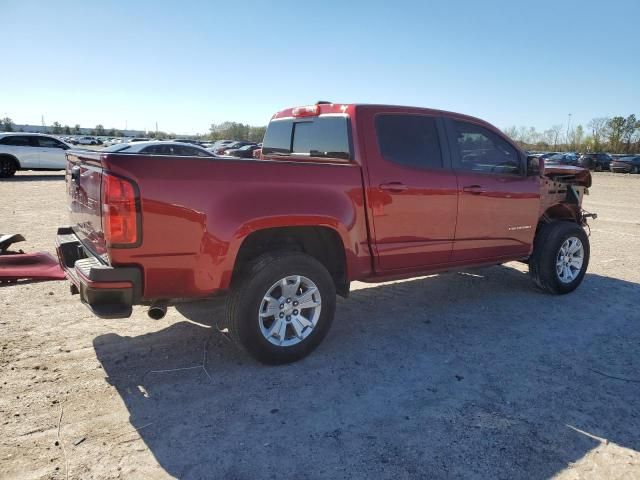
[32,266]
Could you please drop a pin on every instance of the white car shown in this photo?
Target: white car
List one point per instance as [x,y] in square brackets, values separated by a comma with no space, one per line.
[87,141]
[30,151]
[112,141]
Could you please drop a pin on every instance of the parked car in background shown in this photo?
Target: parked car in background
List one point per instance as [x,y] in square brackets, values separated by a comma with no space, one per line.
[155,147]
[231,146]
[86,140]
[327,204]
[562,159]
[595,161]
[30,151]
[242,152]
[219,144]
[112,141]
[188,140]
[630,164]
[139,139]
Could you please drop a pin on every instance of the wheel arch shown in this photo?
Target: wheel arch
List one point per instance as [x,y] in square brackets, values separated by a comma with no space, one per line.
[322,242]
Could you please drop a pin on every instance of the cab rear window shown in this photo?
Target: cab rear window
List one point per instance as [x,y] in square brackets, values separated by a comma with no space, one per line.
[325,137]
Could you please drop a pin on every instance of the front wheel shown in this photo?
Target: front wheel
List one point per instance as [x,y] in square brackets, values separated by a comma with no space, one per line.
[281,307]
[560,257]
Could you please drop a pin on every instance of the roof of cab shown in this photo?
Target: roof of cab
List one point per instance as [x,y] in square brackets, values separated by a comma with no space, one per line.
[348,109]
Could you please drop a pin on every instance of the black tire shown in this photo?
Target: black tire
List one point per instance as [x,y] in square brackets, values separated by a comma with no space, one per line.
[248,293]
[546,248]
[8,167]
[598,167]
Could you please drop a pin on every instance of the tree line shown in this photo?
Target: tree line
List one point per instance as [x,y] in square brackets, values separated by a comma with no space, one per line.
[220,131]
[603,134]
[7,125]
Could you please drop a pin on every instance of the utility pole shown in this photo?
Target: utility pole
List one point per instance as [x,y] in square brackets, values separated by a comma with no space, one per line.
[568,123]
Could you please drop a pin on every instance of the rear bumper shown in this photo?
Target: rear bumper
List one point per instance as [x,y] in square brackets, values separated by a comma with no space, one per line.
[109,292]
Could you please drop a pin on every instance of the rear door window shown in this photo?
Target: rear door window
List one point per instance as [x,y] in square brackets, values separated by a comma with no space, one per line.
[409,140]
[325,137]
[17,141]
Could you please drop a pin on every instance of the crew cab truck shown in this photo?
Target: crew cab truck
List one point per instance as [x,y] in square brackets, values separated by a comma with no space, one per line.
[341,192]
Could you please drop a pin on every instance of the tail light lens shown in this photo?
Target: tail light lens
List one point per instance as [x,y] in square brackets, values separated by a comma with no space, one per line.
[119,211]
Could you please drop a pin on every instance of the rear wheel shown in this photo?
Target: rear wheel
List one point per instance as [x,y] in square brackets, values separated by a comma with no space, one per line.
[560,257]
[8,167]
[282,307]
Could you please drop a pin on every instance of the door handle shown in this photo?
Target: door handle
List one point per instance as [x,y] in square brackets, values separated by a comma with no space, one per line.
[394,187]
[474,189]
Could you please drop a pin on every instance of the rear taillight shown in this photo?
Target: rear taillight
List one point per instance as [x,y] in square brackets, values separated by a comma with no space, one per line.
[119,211]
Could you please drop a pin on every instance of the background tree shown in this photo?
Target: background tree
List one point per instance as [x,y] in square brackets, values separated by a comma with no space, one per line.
[6,124]
[56,128]
[99,130]
[575,139]
[598,127]
[631,126]
[556,132]
[76,129]
[615,131]
[511,132]
[67,130]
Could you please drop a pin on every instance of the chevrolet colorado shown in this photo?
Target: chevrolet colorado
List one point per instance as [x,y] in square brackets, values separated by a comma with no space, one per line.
[341,192]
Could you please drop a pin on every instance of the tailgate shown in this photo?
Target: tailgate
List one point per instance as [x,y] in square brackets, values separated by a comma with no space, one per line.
[84,183]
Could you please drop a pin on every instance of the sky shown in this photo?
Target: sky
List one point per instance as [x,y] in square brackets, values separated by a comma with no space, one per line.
[187,64]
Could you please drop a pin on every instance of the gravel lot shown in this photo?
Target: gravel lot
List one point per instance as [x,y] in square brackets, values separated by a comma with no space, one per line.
[461,375]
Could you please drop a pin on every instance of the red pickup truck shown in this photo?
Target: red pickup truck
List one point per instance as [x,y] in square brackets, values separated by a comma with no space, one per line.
[341,192]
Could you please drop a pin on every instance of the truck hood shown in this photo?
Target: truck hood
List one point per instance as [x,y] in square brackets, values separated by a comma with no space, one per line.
[568,173]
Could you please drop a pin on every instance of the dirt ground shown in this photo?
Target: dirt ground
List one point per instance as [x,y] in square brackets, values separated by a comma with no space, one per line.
[462,375]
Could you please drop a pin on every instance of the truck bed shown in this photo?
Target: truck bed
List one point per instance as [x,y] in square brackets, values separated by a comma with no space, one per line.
[194,212]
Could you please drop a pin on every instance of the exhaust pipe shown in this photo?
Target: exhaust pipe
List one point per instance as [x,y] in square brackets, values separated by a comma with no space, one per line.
[157,312]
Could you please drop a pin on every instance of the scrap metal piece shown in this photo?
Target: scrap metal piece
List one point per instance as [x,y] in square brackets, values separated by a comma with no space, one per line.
[7,239]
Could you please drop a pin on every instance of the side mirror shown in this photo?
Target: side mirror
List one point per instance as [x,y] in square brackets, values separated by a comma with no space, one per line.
[535,166]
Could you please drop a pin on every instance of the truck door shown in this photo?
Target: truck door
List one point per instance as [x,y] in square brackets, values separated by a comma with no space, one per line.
[498,205]
[411,192]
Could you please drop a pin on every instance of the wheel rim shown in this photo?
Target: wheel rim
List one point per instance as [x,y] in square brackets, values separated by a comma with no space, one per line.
[289,311]
[570,260]
[6,167]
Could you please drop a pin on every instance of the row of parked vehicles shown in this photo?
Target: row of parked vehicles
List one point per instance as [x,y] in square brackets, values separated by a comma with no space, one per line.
[34,151]
[599,161]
